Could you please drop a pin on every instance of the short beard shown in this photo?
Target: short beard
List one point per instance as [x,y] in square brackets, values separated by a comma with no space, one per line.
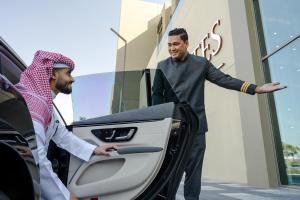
[63,88]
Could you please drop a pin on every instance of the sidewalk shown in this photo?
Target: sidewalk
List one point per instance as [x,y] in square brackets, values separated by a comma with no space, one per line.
[215,190]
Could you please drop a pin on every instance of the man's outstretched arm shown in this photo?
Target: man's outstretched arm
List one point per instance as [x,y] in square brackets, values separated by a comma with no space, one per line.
[269,87]
[216,76]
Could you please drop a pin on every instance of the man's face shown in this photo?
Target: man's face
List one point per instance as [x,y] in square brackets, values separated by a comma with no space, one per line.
[63,80]
[177,47]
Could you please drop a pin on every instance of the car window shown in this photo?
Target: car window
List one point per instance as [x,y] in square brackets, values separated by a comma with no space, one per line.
[8,68]
[107,93]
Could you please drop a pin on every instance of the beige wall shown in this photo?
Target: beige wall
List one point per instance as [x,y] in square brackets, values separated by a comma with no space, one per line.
[138,25]
[239,141]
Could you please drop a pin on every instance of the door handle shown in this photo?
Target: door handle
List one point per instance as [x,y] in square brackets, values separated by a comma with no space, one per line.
[125,137]
[112,135]
[123,134]
[135,150]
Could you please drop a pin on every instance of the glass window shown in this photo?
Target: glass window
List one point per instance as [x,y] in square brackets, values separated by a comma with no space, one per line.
[284,67]
[103,94]
[278,27]
[280,20]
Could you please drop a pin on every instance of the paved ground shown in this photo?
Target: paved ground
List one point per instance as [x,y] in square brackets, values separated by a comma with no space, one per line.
[214,190]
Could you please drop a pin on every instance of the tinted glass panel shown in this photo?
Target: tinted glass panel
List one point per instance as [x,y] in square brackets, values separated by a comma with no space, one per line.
[103,94]
[280,20]
[284,67]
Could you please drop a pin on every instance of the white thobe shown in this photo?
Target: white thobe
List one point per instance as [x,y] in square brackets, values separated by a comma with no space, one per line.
[51,185]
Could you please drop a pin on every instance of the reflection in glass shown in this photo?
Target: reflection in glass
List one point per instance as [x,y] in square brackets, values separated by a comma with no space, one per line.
[103,94]
[284,67]
[162,91]
[280,21]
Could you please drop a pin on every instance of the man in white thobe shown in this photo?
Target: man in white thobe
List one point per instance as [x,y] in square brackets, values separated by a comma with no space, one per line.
[49,74]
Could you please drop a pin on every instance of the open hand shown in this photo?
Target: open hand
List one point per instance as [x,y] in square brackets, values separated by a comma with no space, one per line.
[269,87]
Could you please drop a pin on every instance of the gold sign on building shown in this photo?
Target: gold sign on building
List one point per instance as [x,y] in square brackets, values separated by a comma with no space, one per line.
[204,47]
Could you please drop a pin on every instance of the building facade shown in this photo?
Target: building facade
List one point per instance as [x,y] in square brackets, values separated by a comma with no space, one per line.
[251,139]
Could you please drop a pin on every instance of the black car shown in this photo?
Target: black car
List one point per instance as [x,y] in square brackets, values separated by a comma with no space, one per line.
[108,108]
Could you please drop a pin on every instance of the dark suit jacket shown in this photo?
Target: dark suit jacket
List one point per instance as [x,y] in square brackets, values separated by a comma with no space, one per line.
[183,81]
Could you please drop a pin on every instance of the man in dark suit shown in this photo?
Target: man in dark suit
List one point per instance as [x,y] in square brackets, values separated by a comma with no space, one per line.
[180,78]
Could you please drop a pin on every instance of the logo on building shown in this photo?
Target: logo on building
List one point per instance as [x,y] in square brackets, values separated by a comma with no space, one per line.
[204,47]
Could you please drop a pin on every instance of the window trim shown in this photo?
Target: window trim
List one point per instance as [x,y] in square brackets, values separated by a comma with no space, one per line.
[279,48]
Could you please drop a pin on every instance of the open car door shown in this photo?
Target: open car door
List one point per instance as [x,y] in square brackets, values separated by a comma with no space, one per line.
[153,141]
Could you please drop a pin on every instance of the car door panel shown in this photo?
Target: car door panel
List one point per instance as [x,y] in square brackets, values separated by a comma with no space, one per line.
[152,113]
[147,166]
[89,179]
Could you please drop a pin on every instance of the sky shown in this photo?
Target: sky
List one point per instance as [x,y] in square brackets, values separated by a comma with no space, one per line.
[77,29]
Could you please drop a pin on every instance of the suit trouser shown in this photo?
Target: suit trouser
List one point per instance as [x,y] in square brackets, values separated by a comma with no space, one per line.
[193,170]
